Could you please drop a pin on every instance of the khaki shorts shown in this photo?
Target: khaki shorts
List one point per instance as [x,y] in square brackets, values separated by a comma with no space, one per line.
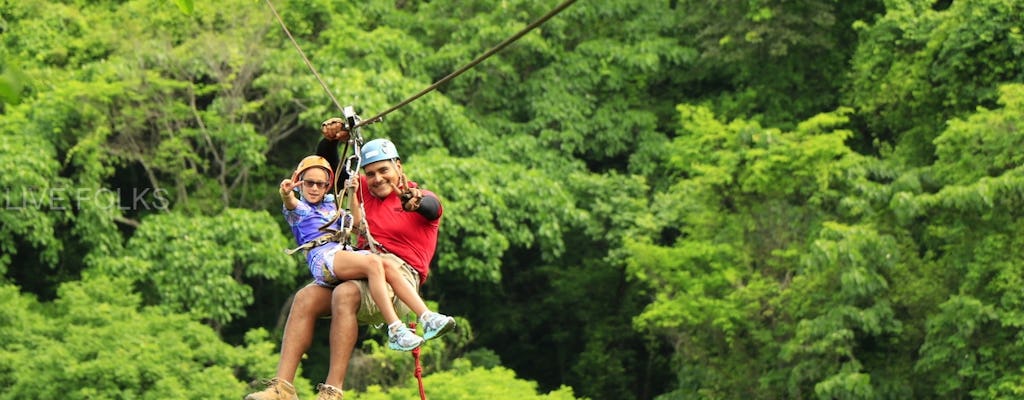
[369,313]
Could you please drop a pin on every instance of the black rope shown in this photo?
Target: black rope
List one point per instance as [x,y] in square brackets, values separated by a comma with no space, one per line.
[304,58]
[471,64]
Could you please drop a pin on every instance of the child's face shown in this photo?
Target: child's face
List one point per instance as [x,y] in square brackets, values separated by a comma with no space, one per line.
[315,183]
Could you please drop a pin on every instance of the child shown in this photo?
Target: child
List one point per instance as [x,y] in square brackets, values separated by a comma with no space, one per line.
[330,263]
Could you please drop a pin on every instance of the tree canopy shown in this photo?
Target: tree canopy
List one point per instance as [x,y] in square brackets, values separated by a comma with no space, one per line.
[643,200]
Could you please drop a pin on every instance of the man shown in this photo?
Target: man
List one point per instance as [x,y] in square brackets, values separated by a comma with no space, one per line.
[402,221]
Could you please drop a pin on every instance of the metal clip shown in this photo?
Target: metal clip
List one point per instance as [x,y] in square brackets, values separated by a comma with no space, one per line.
[352,163]
[352,121]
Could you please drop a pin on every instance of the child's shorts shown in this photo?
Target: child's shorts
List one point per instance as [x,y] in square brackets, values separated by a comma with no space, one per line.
[321,265]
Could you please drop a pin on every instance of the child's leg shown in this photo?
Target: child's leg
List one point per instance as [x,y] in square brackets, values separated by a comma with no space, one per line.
[403,289]
[433,324]
[350,265]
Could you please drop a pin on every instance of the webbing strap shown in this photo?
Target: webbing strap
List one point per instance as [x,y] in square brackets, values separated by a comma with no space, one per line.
[319,241]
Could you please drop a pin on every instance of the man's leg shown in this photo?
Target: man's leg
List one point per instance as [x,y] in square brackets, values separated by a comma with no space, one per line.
[345,304]
[310,303]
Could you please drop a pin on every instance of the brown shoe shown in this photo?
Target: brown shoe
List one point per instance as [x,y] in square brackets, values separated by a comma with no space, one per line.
[277,389]
[328,392]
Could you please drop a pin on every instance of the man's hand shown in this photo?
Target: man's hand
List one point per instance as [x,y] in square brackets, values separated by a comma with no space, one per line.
[352,183]
[410,196]
[334,129]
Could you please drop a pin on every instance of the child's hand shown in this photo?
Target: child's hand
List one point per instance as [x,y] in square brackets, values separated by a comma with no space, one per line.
[288,184]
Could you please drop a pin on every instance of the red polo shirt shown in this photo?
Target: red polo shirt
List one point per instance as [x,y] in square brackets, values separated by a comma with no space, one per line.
[405,234]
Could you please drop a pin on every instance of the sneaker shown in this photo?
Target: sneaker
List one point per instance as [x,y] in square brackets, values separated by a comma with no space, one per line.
[328,392]
[435,324]
[277,389]
[402,338]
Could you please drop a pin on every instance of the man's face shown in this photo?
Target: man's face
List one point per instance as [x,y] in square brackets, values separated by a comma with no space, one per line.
[381,175]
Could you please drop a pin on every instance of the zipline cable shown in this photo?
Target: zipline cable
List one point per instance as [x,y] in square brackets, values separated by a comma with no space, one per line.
[304,58]
[471,64]
[435,85]
[376,118]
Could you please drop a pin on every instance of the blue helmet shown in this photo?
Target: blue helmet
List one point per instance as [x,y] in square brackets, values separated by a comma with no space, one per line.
[377,150]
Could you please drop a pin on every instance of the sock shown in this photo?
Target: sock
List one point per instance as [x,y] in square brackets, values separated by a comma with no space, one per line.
[393,327]
[423,316]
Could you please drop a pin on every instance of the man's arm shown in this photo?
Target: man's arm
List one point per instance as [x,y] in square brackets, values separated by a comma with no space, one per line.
[328,149]
[334,133]
[430,207]
[416,200]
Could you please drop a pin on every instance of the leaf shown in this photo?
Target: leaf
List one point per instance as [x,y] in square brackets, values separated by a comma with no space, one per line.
[186,6]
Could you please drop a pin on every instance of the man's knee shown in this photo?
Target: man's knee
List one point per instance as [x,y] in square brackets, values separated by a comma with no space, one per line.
[346,297]
[311,300]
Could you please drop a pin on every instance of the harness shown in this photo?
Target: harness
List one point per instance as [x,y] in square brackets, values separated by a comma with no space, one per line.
[319,241]
[350,164]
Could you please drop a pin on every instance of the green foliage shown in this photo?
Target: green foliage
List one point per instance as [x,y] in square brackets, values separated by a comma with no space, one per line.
[840,300]
[195,265]
[467,382]
[96,341]
[33,194]
[642,199]
[973,223]
[480,221]
[782,61]
[186,6]
[733,292]
[947,62]
[985,143]
[12,82]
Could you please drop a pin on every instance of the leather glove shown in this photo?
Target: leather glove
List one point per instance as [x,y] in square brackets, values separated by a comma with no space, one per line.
[334,129]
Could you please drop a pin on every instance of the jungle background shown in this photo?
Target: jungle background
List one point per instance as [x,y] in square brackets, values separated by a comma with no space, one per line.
[666,199]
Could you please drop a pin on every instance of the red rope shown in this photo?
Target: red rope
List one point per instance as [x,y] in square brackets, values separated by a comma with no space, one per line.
[419,369]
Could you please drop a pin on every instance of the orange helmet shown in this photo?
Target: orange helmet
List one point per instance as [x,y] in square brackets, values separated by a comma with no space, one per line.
[314,162]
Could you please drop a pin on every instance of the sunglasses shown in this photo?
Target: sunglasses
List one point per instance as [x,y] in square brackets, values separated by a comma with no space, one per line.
[311,184]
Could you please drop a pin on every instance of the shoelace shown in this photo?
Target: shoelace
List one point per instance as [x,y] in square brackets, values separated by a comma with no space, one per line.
[323,387]
[433,320]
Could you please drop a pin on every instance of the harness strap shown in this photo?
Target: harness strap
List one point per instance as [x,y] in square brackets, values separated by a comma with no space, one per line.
[374,246]
[319,241]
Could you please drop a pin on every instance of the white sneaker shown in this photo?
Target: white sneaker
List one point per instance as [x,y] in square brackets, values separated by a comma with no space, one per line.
[402,338]
[435,324]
